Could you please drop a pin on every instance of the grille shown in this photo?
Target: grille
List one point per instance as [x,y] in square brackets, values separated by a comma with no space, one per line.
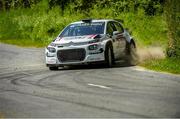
[71,55]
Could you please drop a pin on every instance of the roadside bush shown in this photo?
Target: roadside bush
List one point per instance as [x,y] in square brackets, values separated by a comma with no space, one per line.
[41,24]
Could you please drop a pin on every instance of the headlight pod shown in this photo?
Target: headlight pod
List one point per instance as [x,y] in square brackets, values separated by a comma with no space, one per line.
[48,54]
[53,44]
[51,49]
[93,47]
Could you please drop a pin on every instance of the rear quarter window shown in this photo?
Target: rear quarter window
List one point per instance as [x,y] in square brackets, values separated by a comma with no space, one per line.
[119,27]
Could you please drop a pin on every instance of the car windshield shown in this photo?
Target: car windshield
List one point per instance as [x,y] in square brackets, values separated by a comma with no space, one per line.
[83,29]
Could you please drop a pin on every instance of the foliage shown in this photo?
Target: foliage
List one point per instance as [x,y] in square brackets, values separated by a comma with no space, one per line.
[41,24]
[37,22]
[173,21]
[151,7]
[171,65]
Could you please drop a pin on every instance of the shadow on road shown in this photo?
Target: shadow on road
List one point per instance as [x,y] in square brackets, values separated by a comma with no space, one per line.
[118,64]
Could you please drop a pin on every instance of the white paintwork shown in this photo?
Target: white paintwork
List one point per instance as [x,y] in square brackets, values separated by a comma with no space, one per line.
[83,42]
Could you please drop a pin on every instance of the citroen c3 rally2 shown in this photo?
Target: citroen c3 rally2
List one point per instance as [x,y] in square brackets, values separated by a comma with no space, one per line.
[90,41]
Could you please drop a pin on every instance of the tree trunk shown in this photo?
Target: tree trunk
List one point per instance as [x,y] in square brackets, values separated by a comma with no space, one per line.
[1,5]
[26,3]
[172,17]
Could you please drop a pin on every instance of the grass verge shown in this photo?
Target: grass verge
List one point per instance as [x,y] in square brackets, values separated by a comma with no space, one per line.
[171,65]
[38,26]
[23,42]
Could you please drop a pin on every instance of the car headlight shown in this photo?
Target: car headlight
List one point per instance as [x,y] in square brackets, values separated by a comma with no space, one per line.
[93,47]
[51,49]
[48,54]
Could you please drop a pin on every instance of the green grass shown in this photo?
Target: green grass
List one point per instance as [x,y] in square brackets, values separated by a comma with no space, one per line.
[39,25]
[23,43]
[171,65]
[33,27]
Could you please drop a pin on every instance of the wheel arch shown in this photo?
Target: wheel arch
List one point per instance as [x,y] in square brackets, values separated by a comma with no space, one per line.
[128,45]
[109,43]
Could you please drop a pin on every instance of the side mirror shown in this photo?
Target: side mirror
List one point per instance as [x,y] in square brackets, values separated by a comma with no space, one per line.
[115,33]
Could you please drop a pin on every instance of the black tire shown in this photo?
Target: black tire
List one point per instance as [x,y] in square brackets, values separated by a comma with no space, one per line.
[53,68]
[109,57]
[131,55]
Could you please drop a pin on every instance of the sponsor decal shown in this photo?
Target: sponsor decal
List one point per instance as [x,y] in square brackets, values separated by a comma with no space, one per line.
[88,24]
[92,36]
[92,24]
[75,37]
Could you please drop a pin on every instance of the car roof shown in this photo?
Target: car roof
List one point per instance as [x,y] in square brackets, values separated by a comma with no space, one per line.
[95,20]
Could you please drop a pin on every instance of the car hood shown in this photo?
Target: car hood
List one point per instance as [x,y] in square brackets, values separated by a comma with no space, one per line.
[74,39]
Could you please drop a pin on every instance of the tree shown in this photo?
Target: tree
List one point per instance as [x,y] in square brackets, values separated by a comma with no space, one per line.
[12,4]
[172,11]
[61,3]
[1,5]
[26,3]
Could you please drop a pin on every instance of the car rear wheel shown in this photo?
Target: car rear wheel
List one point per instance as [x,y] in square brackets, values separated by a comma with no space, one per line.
[131,55]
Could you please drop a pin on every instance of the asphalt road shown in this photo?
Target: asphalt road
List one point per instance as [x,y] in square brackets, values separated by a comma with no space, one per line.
[29,89]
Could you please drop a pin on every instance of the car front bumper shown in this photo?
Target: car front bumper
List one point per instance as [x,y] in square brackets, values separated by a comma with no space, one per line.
[91,56]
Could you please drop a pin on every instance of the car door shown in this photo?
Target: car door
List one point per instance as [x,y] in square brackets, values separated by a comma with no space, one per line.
[109,31]
[121,40]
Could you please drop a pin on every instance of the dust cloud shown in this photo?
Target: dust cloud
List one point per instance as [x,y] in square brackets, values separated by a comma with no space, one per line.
[149,53]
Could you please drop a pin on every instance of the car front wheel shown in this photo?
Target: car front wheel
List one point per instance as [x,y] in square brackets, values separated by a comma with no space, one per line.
[109,56]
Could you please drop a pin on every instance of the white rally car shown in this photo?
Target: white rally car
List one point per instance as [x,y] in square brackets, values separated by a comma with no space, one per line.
[91,41]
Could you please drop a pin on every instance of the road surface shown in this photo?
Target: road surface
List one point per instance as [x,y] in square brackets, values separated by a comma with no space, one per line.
[29,89]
